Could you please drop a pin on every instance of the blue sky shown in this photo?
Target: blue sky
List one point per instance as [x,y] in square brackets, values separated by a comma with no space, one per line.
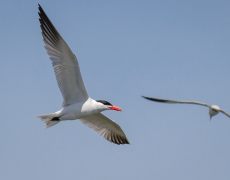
[170,49]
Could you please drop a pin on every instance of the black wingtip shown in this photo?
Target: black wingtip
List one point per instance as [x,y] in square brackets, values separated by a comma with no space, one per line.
[119,140]
[155,99]
[40,10]
[145,97]
[49,32]
[125,141]
[40,7]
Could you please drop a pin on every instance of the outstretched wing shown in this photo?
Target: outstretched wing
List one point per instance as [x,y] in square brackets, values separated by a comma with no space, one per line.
[64,62]
[228,115]
[106,127]
[169,101]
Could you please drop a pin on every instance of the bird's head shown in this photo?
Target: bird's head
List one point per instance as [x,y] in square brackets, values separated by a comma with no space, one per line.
[105,105]
[213,110]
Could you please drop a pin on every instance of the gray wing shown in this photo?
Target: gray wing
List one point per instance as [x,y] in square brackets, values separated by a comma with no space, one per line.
[106,127]
[175,101]
[225,113]
[64,62]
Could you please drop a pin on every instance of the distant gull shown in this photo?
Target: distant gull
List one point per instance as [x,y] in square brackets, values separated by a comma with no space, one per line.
[213,109]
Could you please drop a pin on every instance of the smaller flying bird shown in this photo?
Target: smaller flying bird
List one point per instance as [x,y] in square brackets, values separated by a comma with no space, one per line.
[213,109]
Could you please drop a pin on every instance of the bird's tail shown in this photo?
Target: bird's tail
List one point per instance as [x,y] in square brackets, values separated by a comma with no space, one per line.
[49,119]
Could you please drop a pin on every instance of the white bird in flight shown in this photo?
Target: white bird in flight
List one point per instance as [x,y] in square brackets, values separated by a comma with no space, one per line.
[213,109]
[77,104]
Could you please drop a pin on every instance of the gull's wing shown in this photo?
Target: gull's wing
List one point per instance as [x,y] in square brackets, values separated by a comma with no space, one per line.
[64,62]
[225,113]
[175,101]
[106,127]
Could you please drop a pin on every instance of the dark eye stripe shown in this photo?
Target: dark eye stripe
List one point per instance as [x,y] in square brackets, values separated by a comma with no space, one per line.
[104,102]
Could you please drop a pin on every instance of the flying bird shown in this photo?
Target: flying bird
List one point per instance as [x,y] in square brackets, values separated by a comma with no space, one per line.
[213,109]
[76,102]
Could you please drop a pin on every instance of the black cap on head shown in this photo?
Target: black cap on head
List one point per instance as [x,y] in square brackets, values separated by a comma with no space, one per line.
[104,102]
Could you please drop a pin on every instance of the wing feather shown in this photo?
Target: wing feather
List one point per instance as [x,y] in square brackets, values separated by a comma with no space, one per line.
[225,113]
[64,62]
[175,101]
[106,127]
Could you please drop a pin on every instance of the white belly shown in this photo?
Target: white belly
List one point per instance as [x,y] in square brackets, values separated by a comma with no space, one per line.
[77,111]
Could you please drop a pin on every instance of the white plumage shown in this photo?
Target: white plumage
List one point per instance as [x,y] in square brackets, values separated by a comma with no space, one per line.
[76,102]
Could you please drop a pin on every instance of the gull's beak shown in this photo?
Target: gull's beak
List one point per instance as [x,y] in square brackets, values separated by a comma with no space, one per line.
[115,108]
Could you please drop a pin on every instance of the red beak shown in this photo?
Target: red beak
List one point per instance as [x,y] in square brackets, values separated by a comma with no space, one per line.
[115,108]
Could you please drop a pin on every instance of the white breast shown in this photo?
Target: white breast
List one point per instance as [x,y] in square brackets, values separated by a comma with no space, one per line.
[79,110]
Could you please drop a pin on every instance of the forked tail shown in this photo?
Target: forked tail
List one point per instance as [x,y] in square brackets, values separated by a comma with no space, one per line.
[49,119]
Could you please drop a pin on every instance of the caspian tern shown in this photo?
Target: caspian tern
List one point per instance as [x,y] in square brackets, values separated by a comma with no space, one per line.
[213,109]
[77,104]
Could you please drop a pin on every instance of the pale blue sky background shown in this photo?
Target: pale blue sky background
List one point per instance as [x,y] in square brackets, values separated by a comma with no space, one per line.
[169,49]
